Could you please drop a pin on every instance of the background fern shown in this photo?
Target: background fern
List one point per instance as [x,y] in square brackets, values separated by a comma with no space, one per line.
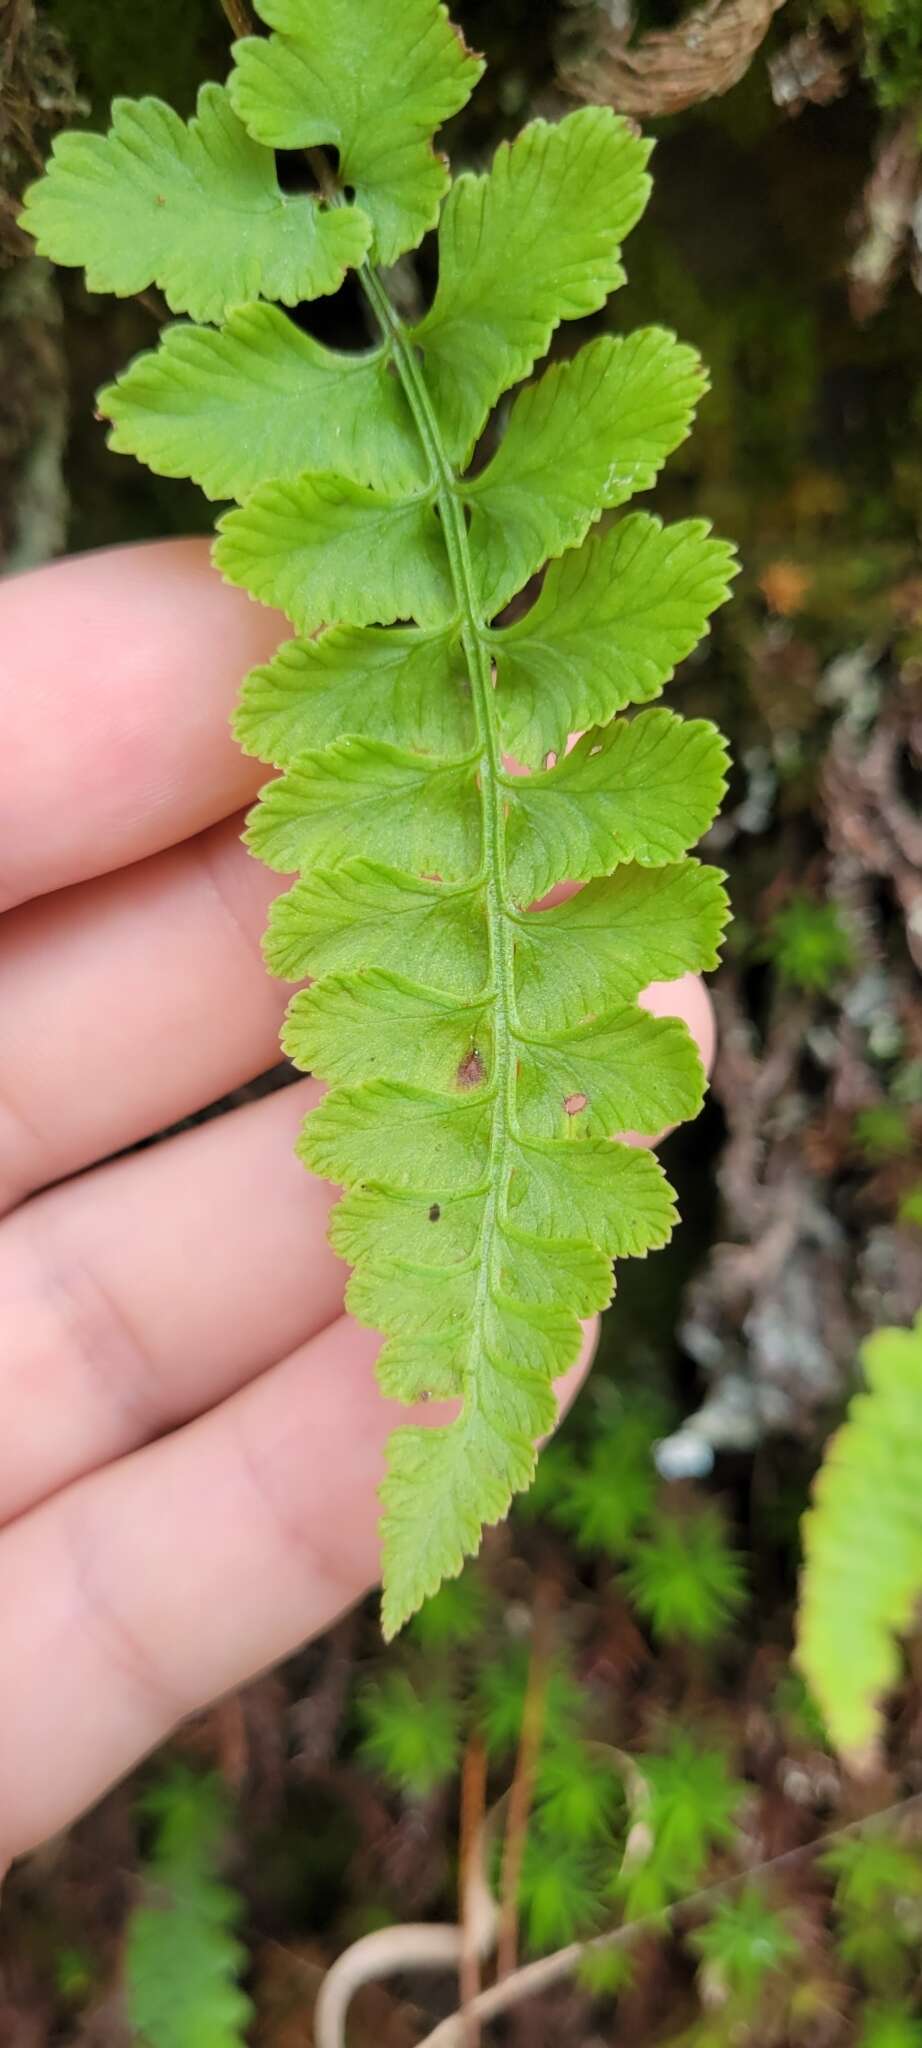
[863,1545]
[183,1961]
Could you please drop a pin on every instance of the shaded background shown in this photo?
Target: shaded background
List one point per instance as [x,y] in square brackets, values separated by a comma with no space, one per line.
[782,239]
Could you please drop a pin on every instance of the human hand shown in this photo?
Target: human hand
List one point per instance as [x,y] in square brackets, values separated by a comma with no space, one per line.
[190,1434]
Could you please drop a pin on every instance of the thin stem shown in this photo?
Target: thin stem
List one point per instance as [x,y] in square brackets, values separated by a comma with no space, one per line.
[238,14]
[523,1783]
[473,1812]
[490,765]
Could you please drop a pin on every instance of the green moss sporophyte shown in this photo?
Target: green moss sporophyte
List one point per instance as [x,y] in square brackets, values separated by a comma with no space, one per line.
[481,1055]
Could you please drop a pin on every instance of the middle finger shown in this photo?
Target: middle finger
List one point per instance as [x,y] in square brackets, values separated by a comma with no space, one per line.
[132,1001]
[133,1298]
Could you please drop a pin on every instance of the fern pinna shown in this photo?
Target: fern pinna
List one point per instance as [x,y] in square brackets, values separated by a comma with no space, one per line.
[481,1054]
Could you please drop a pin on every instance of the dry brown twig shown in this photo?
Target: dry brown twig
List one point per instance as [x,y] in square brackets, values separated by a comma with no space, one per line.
[473,1815]
[238,14]
[415,1946]
[701,58]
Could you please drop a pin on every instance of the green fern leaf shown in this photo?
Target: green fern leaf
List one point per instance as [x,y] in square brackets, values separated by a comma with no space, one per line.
[327,550]
[195,209]
[383,802]
[259,400]
[361,915]
[608,628]
[375,81]
[862,1572]
[482,1055]
[183,1961]
[579,442]
[598,949]
[622,1072]
[641,790]
[409,682]
[536,241]
[423,1036]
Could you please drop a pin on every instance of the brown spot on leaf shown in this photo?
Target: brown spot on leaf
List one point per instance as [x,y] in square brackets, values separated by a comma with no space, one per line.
[434,1213]
[574,1103]
[471,1070]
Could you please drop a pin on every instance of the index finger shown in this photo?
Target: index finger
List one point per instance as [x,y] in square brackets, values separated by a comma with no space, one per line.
[118,673]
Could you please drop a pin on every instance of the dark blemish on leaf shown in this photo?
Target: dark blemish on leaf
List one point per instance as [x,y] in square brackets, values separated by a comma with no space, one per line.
[471,1070]
[160,199]
[574,1103]
[434,1213]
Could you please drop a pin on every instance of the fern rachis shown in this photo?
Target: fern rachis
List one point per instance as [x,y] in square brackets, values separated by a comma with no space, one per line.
[481,1055]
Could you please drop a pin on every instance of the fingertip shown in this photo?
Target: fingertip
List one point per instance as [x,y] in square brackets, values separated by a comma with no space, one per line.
[688,999]
[118,675]
[568,1386]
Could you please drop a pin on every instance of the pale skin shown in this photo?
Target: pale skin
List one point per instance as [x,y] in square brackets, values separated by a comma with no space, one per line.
[190,1435]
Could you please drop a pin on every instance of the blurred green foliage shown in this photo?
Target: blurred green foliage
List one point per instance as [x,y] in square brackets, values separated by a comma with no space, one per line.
[809,944]
[411,1731]
[684,1579]
[183,1961]
[689,1810]
[745,1942]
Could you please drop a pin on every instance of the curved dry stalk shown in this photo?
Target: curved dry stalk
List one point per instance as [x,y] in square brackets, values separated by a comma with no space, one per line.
[420,1946]
[414,1946]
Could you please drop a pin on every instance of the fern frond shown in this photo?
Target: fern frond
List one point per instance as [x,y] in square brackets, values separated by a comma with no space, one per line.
[183,1961]
[862,1574]
[482,1055]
